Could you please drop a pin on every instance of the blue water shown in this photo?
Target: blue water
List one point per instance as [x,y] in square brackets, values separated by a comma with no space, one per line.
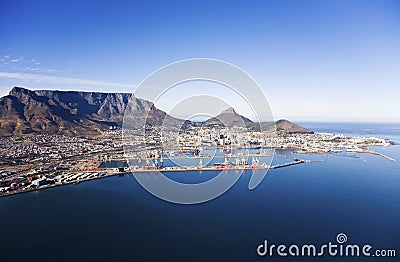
[390,131]
[114,219]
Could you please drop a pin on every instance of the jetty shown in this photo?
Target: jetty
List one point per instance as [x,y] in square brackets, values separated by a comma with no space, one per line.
[370,151]
[76,177]
[300,161]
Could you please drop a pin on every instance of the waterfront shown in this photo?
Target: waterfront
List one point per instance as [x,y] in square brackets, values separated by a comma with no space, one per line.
[38,162]
[115,219]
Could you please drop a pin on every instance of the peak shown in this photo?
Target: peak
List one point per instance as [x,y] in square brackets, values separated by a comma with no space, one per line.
[17,89]
[282,121]
[229,110]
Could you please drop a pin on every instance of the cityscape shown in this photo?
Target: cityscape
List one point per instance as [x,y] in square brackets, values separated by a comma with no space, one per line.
[34,162]
[199,130]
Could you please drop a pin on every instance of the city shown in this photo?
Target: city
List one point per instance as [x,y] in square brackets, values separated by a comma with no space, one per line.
[199,130]
[36,162]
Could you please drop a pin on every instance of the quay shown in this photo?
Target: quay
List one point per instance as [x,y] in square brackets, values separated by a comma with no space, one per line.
[75,177]
[288,164]
[367,150]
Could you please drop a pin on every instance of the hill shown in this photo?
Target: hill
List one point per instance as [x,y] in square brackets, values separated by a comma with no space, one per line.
[230,118]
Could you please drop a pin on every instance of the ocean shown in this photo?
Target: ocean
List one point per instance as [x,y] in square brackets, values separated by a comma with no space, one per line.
[115,219]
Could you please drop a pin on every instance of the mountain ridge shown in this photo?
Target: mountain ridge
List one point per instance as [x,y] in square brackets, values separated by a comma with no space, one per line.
[24,112]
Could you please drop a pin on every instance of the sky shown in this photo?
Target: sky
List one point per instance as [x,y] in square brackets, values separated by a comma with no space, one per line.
[314,60]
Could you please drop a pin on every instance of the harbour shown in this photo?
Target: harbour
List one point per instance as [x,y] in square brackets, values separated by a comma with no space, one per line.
[98,173]
[116,204]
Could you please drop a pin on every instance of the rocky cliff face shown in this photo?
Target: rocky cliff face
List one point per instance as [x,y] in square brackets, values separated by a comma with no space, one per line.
[25,111]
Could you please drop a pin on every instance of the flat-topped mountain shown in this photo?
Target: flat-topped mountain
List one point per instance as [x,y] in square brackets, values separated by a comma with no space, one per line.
[25,111]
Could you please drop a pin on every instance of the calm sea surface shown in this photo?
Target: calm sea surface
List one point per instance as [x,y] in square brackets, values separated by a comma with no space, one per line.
[115,219]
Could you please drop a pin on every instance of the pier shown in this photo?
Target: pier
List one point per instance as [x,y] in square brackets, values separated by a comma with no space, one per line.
[75,177]
[288,164]
[367,150]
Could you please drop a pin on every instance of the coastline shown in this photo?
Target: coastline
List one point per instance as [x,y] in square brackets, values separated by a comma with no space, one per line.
[318,143]
[150,169]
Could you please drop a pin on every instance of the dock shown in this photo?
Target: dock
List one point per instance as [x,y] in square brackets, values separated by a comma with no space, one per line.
[76,177]
[288,164]
[367,150]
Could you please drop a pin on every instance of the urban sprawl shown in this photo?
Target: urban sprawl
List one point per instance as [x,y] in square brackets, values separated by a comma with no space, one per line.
[41,161]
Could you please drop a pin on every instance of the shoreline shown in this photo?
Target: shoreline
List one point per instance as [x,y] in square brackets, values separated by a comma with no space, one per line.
[154,170]
[149,169]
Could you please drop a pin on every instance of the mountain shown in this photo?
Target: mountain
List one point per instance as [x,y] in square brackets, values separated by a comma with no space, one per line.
[291,128]
[228,118]
[25,111]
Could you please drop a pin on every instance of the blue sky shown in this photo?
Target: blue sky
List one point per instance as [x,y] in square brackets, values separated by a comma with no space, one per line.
[315,60]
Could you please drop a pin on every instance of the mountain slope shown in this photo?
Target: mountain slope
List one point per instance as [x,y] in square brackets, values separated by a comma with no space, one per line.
[228,118]
[290,127]
[25,111]
[42,111]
